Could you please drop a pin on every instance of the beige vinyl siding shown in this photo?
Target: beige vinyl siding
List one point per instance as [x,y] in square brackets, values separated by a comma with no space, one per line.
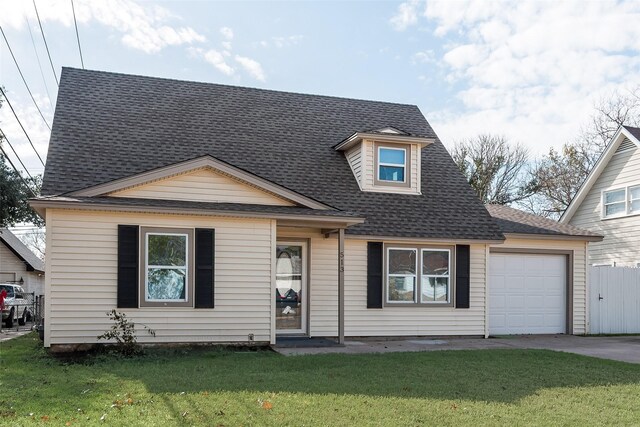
[621,235]
[369,170]
[203,185]
[354,157]
[389,321]
[579,272]
[10,263]
[82,279]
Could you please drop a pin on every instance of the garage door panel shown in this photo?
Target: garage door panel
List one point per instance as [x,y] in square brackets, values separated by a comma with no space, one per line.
[498,302]
[514,283]
[513,265]
[529,294]
[515,302]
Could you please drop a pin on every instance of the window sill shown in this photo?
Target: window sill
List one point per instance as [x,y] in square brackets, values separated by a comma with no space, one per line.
[607,218]
[418,305]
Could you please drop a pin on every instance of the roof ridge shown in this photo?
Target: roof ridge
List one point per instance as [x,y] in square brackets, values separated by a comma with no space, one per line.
[251,88]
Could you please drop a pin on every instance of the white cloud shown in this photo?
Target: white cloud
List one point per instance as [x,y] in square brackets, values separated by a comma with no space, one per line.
[406,16]
[227,33]
[143,27]
[281,41]
[528,69]
[216,59]
[423,57]
[251,66]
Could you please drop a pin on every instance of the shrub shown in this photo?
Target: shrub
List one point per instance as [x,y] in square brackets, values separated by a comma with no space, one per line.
[123,331]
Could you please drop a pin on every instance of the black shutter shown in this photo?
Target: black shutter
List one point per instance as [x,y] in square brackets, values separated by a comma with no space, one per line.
[374,274]
[462,276]
[204,280]
[128,271]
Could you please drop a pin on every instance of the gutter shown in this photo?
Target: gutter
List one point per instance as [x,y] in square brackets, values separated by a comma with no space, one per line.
[596,238]
[41,205]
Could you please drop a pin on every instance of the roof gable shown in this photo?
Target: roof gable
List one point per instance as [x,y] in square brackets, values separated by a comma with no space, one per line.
[204,185]
[214,175]
[623,134]
[21,251]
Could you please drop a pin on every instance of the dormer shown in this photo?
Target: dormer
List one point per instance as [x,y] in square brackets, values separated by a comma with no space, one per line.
[386,160]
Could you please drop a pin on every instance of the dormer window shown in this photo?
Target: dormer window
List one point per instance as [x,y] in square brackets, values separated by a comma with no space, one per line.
[385,160]
[392,164]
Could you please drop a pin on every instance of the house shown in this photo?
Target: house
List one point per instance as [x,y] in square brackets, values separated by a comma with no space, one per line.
[19,265]
[608,202]
[215,213]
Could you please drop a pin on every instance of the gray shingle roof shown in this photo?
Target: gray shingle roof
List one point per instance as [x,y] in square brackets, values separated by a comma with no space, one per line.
[21,250]
[516,221]
[109,126]
[633,131]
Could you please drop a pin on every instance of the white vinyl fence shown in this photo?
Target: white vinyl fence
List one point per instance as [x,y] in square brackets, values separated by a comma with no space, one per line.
[614,300]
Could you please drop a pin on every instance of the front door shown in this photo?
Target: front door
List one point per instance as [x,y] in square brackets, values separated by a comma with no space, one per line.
[291,288]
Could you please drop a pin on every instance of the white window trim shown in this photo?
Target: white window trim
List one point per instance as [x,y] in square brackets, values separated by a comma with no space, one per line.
[147,267]
[395,165]
[630,200]
[438,276]
[417,298]
[627,202]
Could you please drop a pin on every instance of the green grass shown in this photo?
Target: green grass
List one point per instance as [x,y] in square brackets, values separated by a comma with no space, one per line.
[208,386]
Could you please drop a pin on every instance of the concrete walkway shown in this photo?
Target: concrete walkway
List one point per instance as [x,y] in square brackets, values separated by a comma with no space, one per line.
[7,334]
[625,349]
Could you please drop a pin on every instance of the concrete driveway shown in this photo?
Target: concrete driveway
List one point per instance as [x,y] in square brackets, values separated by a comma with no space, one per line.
[623,348]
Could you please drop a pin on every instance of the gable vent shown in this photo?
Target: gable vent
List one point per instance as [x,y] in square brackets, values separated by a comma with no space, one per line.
[625,145]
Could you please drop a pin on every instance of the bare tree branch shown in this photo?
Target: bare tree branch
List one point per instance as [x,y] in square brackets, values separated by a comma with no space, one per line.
[494,168]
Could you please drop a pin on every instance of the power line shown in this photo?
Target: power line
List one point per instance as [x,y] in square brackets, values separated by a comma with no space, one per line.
[23,79]
[17,172]
[45,43]
[33,43]
[73,9]
[20,123]
[15,153]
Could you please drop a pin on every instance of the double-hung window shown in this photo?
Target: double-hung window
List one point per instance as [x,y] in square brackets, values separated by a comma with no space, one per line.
[634,199]
[435,275]
[401,275]
[167,276]
[419,275]
[621,201]
[392,164]
[615,203]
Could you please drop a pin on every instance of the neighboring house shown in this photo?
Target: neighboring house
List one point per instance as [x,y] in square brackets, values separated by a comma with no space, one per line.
[19,265]
[215,213]
[608,202]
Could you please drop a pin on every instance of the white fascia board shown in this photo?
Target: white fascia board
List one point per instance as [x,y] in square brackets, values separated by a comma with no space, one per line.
[595,173]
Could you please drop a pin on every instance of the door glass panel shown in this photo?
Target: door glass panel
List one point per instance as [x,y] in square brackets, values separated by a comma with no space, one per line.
[289,288]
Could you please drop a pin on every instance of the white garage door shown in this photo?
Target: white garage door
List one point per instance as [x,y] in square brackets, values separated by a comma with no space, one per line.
[527,294]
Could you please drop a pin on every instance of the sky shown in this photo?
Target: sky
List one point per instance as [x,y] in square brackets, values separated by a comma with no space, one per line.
[528,70]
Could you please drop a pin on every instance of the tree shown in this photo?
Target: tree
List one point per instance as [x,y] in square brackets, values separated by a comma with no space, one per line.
[14,195]
[494,168]
[556,178]
[611,111]
[36,240]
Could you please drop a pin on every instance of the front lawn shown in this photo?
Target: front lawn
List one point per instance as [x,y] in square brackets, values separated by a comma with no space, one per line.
[205,386]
